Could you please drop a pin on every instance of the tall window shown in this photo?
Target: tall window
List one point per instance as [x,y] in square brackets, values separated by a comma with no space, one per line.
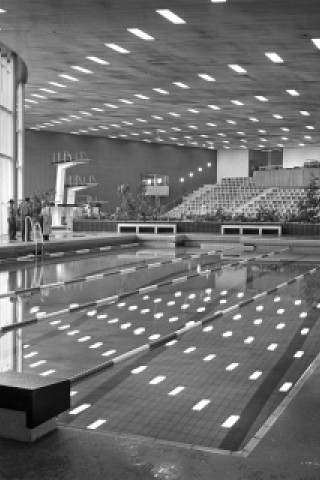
[10,112]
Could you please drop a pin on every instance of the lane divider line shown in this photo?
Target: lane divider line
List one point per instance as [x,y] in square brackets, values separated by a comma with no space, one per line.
[108,300]
[99,276]
[176,335]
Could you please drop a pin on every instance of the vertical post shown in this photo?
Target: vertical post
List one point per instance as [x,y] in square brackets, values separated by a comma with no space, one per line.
[14,127]
[20,141]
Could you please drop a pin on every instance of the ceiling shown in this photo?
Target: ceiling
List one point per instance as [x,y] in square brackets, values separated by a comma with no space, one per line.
[53,36]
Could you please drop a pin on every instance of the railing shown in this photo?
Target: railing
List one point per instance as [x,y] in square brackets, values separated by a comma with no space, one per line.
[37,238]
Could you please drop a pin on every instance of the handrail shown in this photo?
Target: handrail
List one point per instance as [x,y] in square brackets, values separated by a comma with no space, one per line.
[27,219]
[36,228]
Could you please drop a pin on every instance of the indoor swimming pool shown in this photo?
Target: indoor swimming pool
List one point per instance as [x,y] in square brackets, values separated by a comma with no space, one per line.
[195,348]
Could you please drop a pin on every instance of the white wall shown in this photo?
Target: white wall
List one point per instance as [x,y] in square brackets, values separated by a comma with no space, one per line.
[232,163]
[295,157]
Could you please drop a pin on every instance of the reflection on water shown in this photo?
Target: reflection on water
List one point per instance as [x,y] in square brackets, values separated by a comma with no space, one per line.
[250,279]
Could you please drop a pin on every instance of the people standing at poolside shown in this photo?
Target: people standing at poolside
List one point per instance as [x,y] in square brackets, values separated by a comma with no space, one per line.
[25,211]
[12,220]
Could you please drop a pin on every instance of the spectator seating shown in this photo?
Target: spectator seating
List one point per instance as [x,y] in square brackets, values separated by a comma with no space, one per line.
[238,196]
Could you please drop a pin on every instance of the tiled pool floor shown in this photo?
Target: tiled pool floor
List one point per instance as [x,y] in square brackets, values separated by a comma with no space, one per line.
[215,386]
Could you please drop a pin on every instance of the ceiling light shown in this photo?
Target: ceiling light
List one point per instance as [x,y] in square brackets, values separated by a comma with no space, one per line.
[294,93]
[193,110]
[284,138]
[206,77]
[157,117]
[3,11]
[103,127]
[139,33]
[218,1]
[237,102]
[96,109]
[160,90]
[141,120]
[123,100]
[237,68]
[48,90]
[214,107]
[98,60]
[68,77]
[30,101]
[115,125]
[193,127]
[279,144]
[180,84]
[261,98]
[93,129]
[110,105]
[285,129]
[262,131]
[56,84]
[127,123]
[74,116]
[211,124]
[204,136]
[176,129]
[143,97]
[301,144]
[172,17]
[240,133]
[65,119]
[316,41]
[81,69]
[221,134]
[86,113]
[117,48]
[253,119]
[307,137]
[305,113]
[174,114]
[274,57]
[310,127]
[55,121]
[276,115]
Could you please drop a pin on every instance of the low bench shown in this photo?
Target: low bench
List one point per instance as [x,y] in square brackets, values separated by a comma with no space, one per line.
[244,229]
[29,405]
[154,228]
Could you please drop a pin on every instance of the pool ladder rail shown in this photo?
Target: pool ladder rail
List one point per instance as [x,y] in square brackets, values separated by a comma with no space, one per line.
[37,235]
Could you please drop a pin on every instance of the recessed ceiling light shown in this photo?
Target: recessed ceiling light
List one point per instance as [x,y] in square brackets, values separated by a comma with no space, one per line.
[68,77]
[56,84]
[160,90]
[98,60]
[294,93]
[261,98]
[284,138]
[253,119]
[103,127]
[305,113]
[262,131]
[172,17]
[30,101]
[117,48]
[174,114]
[218,1]
[181,85]
[86,113]
[157,117]
[115,125]
[211,124]
[310,127]
[285,129]
[237,102]
[301,144]
[237,68]
[176,129]
[243,140]
[193,127]
[55,121]
[143,97]
[110,105]
[81,69]
[316,41]
[93,129]
[140,33]
[279,144]
[141,120]
[127,123]
[193,110]
[274,57]
[240,133]
[37,96]
[74,116]
[221,134]
[214,107]
[204,136]
[232,122]
[123,100]
[206,77]
[96,109]
[276,115]
[65,119]
[47,90]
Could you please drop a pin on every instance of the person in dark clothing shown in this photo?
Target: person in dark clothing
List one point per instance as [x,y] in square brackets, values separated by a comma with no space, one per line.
[12,220]
[25,213]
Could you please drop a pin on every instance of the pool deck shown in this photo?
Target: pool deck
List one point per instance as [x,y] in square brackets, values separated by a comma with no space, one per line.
[288,450]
